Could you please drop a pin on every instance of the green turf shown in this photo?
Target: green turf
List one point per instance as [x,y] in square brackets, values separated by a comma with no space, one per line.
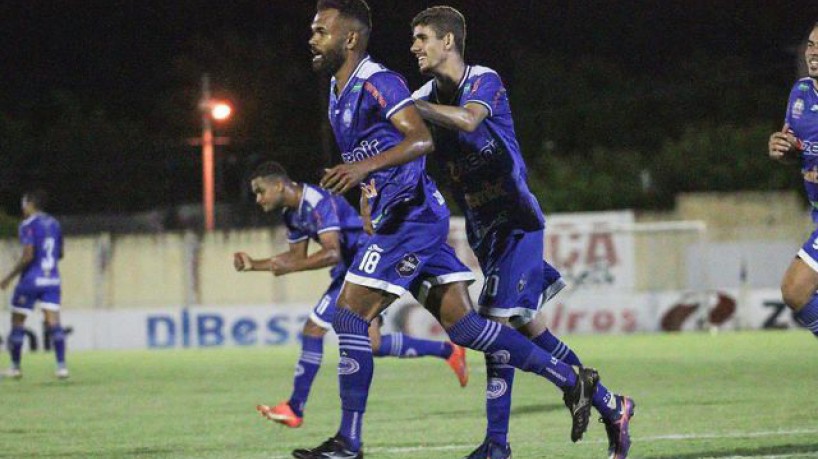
[729,395]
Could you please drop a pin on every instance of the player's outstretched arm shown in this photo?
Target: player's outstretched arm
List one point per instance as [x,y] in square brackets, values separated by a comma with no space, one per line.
[20,266]
[465,118]
[294,261]
[783,146]
[417,141]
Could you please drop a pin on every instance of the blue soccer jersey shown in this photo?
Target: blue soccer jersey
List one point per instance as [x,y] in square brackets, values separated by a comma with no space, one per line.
[319,212]
[485,167]
[802,117]
[43,232]
[360,117]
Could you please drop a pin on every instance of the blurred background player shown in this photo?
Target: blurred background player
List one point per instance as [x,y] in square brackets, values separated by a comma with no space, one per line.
[383,141]
[476,145]
[311,213]
[42,241]
[799,138]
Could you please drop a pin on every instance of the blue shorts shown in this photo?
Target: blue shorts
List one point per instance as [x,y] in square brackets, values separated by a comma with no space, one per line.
[809,251]
[24,298]
[517,279]
[414,255]
[324,311]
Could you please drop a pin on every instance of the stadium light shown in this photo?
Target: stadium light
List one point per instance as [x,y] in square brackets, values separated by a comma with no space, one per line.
[211,110]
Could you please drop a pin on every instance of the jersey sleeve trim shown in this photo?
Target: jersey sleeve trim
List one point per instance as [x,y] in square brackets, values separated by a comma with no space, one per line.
[481,102]
[400,105]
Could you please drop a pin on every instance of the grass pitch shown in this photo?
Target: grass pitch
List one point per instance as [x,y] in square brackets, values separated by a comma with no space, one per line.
[733,395]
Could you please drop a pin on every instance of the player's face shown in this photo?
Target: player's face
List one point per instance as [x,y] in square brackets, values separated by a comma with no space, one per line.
[428,48]
[811,53]
[327,42]
[26,206]
[269,194]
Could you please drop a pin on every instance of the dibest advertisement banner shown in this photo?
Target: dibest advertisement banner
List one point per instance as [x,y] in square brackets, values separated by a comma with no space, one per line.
[571,312]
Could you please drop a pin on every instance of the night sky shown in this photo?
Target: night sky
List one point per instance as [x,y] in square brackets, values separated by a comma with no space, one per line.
[123,56]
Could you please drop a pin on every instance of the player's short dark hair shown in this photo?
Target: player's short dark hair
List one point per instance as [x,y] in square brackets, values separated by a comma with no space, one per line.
[355,9]
[37,197]
[269,170]
[443,20]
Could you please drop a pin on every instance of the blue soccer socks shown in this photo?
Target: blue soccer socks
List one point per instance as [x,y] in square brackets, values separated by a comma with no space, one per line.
[557,348]
[58,341]
[508,346]
[405,346]
[16,339]
[354,372]
[312,352]
[499,381]
[808,315]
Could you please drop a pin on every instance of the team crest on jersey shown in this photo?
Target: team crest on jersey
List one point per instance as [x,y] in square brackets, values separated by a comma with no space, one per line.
[408,265]
[521,284]
[496,388]
[357,87]
[347,117]
[798,108]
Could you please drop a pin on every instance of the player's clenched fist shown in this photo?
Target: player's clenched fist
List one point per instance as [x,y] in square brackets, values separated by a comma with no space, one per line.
[242,262]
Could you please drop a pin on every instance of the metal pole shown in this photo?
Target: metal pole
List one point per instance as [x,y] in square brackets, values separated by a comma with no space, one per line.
[207,156]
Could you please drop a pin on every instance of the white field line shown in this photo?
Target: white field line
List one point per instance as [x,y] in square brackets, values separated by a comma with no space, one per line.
[636,440]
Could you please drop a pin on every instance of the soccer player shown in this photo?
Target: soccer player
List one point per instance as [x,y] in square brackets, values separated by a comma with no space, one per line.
[476,145]
[383,143]
[41,238]
[311,213]
[799,139]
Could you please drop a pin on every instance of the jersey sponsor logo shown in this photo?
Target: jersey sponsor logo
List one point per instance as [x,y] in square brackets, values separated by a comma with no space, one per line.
[473,161]
[371,89]
[348,366]
[408,265]
[365,149]
[809,147]
[489,192]
[798,108]
[496,388]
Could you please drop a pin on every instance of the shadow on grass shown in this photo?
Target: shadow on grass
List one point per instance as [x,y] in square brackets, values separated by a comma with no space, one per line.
[539,408]
[742,452]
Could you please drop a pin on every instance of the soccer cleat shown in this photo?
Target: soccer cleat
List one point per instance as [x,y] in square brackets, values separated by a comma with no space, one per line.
[490,450]
[333,448]
[619,440]
[281,413]
[457,361]
[13,373]
[578,400]
[61,373]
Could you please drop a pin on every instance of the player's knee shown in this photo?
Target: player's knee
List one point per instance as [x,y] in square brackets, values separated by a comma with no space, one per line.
[313,330]
[794,296]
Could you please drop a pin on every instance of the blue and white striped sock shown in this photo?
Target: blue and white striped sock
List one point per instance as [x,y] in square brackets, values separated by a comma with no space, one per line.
[312,352]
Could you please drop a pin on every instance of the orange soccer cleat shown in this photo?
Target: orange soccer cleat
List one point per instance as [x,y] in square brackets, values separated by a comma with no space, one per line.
[457,361]
[281,413]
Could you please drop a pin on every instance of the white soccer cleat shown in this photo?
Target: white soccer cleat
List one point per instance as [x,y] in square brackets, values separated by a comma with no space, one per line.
[14,373]
[61,373]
